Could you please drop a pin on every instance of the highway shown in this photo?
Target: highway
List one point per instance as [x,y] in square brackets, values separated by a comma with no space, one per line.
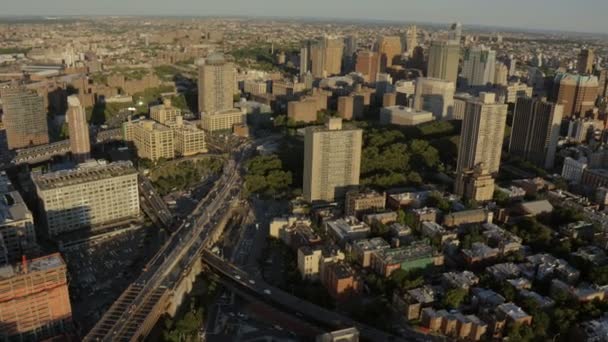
[298,307]
[184,245]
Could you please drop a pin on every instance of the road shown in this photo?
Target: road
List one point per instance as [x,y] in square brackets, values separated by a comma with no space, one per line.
[164,269]
[300,308]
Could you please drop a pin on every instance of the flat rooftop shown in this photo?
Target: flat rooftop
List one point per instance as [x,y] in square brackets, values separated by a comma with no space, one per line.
[58,179]
[44,263]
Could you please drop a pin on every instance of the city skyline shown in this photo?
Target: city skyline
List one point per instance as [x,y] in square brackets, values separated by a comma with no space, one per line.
[539,15]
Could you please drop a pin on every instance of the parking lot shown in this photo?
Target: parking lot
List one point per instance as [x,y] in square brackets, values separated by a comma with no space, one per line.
[100,272]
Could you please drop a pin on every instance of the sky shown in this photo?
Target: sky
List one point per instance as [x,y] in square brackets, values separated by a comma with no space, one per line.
[566,15]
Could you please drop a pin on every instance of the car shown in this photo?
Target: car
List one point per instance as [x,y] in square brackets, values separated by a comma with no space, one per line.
[267,291]
[252,282]
[237,277]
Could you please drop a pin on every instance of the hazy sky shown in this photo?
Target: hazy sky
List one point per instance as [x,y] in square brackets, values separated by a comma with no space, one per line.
[571,15]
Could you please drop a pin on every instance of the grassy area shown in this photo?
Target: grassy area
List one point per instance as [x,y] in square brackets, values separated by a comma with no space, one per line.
[166,72]
[183,175]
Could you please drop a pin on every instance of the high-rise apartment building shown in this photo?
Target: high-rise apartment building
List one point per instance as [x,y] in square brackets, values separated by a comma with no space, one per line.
[368,64]
[34,299]
[479,66]
[481,138]
[586,59]
[216,84]
[455,33]
[536,125]
[389,49]
[152,140]
[89,196]
[326,56]
[164,113]
[577,93]
[351,45]
[332,160]
[411,40]
[80,142]
[17,234]
[501,75]
[305,55]
[443,60]
[24,118]
[436,96]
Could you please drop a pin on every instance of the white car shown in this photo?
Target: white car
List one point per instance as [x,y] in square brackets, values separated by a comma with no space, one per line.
[237,277]
[267,291]
[252,282]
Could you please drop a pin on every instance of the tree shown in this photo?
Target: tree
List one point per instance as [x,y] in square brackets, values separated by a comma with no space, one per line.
[454,297]
[436,200]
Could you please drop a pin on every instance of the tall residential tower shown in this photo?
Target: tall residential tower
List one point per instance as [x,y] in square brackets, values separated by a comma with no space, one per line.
[332,160]
[80,143]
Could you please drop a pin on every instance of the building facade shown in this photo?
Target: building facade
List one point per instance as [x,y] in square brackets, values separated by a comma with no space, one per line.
[80,142]
[479,66]
[223,120]
[34,300]
[436,96]
[24,118]
[481,137]
[577,93]
[87,197]
[216,84]
[332,160]
[443,60]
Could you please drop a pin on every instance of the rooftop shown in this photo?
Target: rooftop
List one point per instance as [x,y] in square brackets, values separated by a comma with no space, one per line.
[512,310]
[82,174]
[421,249]
[35,265]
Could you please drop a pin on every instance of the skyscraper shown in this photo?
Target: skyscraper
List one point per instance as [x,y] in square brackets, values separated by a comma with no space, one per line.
[479,66]
[332,160]
[443,60]
[535,132]
[501,75]
[481,138]
[350,49]
[411,40]
[577,93]
[455,33]
[24,118]
[326,56]
[305,58]
[436,96]
[586,60]
[216,84]
[35,303]
[368,64]
[80,143]
[389,49]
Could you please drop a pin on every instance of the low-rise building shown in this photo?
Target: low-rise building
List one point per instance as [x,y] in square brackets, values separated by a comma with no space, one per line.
[454,324]
[505,241]
[417,255]
[485,298]
[542,301]
[437,232]
[467,217]
[380,218]
[363,249]
[223,120]
[583,292]
[17,233]
[407,199]
[513,313]
[294,231]
[462,280]
[362,202]
[504,271]
[340,280]
[404,116]
[347,229]
[413,301]
[312,259]
[479,252]
[424,215]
